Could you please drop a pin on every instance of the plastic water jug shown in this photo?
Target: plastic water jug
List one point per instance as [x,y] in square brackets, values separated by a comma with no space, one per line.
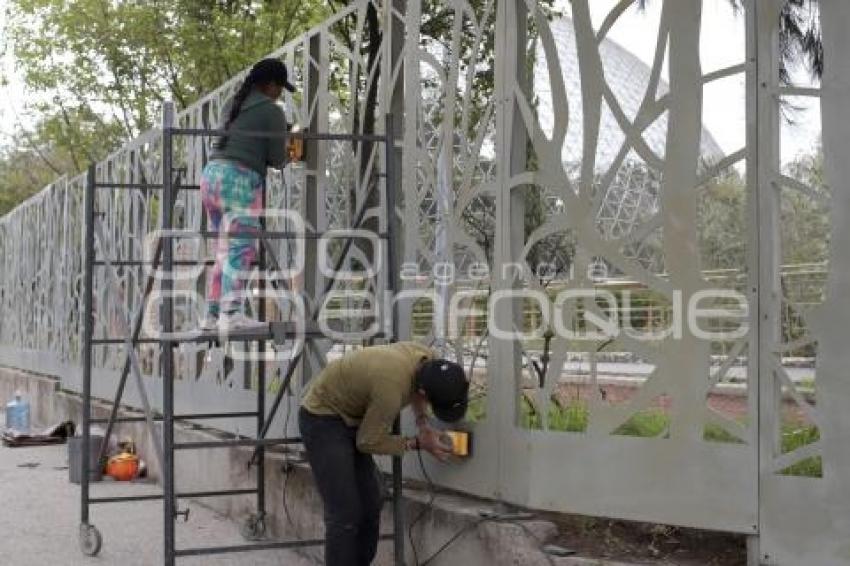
[18,414]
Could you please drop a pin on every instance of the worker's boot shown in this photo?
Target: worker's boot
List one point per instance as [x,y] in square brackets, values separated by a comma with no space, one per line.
[209,323]
[238,321]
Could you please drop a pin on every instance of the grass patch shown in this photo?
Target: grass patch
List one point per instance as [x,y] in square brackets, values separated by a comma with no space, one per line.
[652,423]
[572,418]
[808,468]
[716,433]
[797,437]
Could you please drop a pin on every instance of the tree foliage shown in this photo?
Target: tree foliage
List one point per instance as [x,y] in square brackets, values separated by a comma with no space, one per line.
[800,39]
[98,70]
[803,222]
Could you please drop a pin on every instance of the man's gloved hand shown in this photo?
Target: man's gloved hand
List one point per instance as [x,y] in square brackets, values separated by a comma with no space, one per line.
[434,443]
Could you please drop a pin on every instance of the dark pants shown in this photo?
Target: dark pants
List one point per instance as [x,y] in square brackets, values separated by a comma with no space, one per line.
[348,483]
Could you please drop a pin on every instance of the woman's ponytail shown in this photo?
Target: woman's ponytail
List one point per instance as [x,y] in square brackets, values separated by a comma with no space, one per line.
[239,98]
[236,105]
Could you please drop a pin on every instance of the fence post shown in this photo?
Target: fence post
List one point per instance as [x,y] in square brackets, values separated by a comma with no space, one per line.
[167,353]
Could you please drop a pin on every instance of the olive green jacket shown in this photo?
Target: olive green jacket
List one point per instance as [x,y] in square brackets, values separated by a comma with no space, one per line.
[368,388]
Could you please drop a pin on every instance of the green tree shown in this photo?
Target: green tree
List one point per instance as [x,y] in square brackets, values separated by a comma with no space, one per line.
[721,222]
[800,40]
[804,221]
[98,70]
[22,169]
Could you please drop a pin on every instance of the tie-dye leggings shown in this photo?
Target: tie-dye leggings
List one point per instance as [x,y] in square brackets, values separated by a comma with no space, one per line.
[233,198]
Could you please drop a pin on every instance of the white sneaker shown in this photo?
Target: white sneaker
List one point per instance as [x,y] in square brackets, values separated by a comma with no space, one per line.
[238,321]
[209,323]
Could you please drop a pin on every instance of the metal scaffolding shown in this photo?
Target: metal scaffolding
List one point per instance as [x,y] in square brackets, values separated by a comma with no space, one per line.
[279,333]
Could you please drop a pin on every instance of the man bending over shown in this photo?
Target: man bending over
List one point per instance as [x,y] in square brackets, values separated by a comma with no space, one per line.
[347,415]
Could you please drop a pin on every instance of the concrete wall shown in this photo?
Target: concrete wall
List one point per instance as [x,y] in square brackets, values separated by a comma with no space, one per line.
[288,479]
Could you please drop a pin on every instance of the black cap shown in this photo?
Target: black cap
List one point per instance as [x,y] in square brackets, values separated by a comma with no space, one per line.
[447,388]
[286,84]
[271,71]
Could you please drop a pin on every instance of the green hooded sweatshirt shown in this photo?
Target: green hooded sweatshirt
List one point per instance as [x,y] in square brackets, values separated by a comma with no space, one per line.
[258,113]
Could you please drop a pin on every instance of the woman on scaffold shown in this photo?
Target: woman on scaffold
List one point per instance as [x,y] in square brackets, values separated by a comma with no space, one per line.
[232,185]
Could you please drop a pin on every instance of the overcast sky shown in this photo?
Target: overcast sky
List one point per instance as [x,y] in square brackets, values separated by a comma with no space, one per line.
[722,45]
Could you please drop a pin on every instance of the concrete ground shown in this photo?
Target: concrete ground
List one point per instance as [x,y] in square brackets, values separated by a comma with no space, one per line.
[40,513]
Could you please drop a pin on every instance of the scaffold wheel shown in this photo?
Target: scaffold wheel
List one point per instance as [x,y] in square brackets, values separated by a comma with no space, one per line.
[90,540]
[254,528]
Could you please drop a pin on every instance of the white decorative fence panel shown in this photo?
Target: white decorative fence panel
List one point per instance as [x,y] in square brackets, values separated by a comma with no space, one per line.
[550,180]
[563,132]
[804,519]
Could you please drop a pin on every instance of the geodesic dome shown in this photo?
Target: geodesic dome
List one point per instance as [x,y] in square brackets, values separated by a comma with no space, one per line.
[633,193]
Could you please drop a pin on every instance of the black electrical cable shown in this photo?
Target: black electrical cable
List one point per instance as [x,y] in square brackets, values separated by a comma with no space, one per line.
[463,531]
[454,539]
[530,533]
[288,468]
[428,506]
[289,471]
[475,525]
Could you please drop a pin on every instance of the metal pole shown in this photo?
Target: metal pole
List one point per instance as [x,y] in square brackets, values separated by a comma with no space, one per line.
[167,353]
[314,313]
[88,330]
[137,329]
[389,193]
[753,168]
[261,375]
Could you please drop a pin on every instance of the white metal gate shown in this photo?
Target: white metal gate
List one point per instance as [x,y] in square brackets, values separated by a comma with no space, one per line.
[529,136]
[515,155]
[563,126]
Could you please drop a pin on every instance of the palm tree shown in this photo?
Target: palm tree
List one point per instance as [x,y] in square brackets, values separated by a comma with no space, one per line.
[800,39]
